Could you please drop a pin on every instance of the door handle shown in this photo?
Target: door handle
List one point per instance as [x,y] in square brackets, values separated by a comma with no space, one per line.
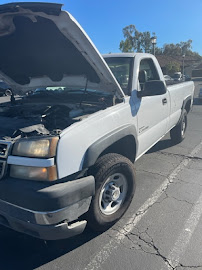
[164,101]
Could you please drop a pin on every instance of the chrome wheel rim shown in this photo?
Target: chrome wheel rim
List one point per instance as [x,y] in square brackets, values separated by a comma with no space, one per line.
[113,193]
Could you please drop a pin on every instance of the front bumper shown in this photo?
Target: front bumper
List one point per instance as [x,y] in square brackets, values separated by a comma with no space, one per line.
[72,199]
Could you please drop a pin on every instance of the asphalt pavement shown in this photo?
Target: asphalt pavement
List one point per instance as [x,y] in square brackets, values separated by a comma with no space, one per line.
[161,229]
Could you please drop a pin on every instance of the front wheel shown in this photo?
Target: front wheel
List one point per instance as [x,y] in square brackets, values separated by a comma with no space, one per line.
[115,186]
[177,134]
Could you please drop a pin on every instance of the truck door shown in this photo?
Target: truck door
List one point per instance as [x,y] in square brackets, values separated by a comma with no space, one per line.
[152,111]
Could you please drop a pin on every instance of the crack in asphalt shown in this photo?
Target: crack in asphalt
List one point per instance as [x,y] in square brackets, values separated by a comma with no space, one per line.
[186,182]
[180,155]
[138,245]
[155,173]
[169,196]
[141,212]
[168,161]
[188,266]
[149,243]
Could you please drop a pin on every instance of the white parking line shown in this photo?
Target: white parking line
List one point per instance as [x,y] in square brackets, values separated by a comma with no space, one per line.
[104,254]
[186,234]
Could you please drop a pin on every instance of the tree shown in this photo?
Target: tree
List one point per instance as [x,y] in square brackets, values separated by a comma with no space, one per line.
[184,47]
[146,41]
[135,40]
[172,67]
[158,51]
[126,46]
[172,49]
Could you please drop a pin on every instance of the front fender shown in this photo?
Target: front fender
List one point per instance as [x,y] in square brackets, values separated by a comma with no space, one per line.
[94,151]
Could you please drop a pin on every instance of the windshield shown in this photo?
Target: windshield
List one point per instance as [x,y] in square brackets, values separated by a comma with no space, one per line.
[66,94]
[121,67]
[63,90]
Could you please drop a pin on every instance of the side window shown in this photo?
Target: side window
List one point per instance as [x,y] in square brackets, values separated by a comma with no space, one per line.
[147,72]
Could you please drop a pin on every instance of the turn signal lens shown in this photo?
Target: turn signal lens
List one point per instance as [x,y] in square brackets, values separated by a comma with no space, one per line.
[34,173]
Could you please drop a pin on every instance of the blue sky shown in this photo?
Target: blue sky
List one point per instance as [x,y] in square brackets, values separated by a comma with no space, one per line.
[172,21]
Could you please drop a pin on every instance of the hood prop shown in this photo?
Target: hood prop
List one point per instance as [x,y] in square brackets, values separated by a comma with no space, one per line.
[84,93]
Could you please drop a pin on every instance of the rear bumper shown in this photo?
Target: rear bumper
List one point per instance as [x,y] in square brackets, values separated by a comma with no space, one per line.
[52,224]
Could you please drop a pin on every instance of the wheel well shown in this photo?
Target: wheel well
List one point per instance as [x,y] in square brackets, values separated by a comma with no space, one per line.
[188,106]
[125,147]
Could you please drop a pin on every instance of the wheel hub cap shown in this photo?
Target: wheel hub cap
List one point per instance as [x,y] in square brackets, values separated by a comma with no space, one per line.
[112,193]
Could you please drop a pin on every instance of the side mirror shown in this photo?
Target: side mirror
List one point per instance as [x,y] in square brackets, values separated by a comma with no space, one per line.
[152,88]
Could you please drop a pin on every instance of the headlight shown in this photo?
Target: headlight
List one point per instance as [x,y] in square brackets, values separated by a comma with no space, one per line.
[34,173]
[45,148]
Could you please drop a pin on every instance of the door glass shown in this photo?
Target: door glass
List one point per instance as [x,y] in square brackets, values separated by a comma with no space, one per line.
[147,72]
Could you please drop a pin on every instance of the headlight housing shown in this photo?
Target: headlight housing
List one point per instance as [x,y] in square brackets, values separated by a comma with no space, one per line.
[44,147]
[35,147]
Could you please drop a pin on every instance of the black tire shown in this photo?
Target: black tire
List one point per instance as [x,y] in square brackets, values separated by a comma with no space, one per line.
[177,134]
[109,166]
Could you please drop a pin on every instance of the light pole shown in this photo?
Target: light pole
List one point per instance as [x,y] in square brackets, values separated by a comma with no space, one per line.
[183,56]
[153,41]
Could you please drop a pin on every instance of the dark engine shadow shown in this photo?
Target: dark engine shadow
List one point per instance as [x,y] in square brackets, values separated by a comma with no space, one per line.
[19,251]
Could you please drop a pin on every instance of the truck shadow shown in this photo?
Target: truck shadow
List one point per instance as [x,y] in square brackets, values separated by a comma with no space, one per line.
[20,251]
[161,145]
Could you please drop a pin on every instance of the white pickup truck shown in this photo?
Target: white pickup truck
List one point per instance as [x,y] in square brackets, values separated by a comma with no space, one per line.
[71,136]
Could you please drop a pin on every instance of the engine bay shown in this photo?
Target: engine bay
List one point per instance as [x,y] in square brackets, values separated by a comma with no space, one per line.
[48,112]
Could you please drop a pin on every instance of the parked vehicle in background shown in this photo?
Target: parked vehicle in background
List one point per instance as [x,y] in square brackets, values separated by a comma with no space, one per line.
[168,79]
[178,76]
[187,78]
[67,156]
[5,90]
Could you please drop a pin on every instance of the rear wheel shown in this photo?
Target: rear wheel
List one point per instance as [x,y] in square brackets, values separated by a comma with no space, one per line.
[177,134]
[115,186]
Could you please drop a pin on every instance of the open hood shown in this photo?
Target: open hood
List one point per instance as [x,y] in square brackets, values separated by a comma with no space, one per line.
[40,46]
